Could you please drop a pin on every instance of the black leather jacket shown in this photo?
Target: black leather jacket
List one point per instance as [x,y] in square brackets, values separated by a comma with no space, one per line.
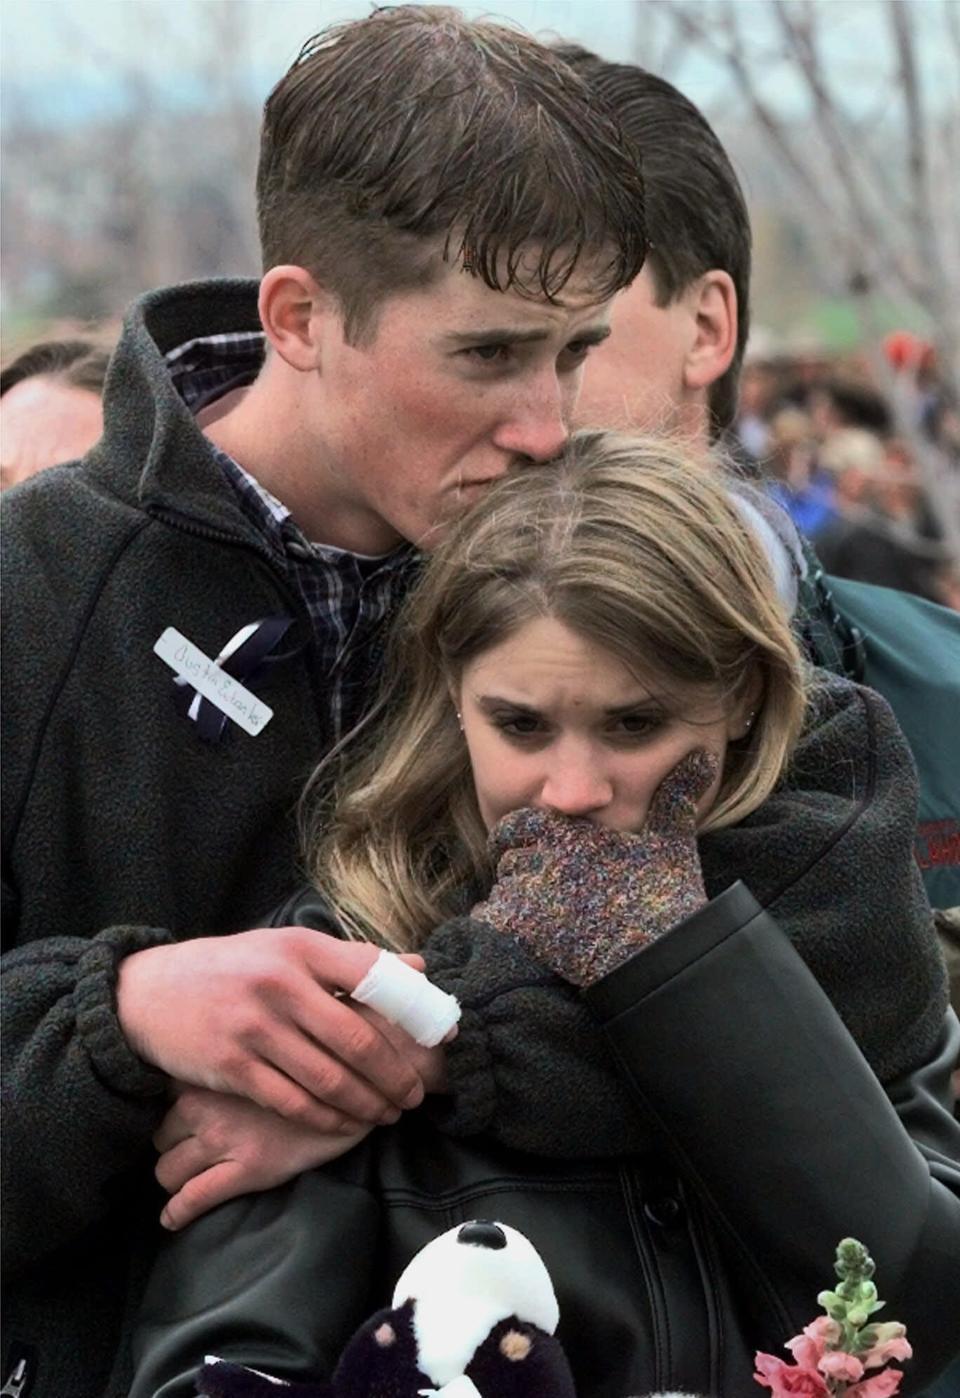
[759,1137]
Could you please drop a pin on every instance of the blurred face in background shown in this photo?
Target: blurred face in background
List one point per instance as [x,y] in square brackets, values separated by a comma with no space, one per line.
[898,488]
[45,421]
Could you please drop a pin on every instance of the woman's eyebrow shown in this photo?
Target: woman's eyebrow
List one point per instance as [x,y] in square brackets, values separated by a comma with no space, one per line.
[647,702]
[487,702]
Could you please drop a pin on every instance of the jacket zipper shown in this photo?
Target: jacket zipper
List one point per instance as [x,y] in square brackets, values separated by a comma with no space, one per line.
[19,1380]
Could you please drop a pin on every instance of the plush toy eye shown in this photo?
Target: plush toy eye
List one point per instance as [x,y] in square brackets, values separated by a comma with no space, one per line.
[482,1234]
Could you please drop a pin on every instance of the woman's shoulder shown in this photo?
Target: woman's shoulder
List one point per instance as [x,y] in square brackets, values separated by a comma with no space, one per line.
[850,736]
[830,855]
[847,802]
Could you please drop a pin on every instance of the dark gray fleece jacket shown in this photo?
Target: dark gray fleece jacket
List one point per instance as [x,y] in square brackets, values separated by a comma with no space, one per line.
[121,827]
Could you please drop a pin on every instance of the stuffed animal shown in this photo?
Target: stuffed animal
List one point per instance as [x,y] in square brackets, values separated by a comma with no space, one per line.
[473,1316]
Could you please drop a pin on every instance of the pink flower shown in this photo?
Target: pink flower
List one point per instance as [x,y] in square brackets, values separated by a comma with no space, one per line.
[808,1348]
[890,1344]
[879,1386]
[839,1365]
[788,1381]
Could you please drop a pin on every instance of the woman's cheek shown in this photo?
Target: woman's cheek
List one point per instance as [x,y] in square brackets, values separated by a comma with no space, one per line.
[501,781]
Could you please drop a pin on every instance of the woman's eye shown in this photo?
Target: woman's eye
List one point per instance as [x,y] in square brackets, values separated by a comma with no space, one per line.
[519,725]
[638,725]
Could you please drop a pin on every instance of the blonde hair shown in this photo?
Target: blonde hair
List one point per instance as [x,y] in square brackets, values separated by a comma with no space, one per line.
[630,543]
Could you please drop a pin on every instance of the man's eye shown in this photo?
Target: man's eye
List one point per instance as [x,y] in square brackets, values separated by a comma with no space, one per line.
[490,354]
[577,350]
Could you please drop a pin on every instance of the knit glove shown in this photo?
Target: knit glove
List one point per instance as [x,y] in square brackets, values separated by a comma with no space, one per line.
[583,899]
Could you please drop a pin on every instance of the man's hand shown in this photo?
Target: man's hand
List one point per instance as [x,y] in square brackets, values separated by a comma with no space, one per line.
[216,1147]
[253,1015]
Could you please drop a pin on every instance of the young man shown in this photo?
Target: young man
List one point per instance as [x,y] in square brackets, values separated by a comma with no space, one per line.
[269,457]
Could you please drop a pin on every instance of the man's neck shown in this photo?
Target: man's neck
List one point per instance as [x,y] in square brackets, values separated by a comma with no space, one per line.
[262,429]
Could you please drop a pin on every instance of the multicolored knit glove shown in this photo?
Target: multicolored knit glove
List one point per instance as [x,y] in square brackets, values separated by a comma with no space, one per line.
[583,899]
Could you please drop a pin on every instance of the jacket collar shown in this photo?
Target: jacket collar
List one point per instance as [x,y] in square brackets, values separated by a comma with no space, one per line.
[152,452]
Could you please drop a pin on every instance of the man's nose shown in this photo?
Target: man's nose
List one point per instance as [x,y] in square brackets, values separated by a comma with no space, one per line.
[538,427]
[576,788]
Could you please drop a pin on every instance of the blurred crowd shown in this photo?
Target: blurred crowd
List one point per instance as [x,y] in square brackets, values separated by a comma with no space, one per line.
[834,455]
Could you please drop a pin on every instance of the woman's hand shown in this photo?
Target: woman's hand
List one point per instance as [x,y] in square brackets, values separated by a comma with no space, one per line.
[582,898]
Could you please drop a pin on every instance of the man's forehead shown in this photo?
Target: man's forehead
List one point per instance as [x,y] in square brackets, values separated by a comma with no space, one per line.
[461,296]
[523,275]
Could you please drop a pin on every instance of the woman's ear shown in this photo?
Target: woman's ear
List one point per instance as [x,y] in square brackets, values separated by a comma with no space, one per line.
[743,715]
[293,311]
[454,690]
[713,305]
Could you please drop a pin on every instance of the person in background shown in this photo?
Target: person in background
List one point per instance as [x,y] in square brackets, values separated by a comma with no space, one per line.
[881,531]
[796,479]
[835,403]
[50,406]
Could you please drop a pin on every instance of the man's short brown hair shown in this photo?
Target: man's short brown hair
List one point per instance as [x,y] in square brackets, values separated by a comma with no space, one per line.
[415,134]
[694,212]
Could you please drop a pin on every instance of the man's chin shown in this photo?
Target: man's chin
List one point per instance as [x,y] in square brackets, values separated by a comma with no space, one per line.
[462,502]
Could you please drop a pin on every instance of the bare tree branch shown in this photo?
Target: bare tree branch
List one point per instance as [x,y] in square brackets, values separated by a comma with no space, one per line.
[924,229]
[734,58]
[951,16]
[877,255]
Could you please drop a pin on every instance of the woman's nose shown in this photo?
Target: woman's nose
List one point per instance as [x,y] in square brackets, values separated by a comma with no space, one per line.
[576,789]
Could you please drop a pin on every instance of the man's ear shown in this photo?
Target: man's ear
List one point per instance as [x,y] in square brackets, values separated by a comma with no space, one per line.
[294,311]
[713,305]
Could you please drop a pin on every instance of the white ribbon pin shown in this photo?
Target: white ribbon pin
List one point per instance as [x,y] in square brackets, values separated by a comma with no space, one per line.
[211,682]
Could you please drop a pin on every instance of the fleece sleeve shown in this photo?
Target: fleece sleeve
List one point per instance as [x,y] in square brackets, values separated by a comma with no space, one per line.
[521,1029]
[78,1106]
[524,1036]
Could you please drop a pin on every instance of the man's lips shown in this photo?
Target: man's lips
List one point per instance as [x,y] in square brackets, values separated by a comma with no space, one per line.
[478,484]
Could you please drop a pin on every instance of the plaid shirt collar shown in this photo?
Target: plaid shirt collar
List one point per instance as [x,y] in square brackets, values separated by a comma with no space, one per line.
[348,597]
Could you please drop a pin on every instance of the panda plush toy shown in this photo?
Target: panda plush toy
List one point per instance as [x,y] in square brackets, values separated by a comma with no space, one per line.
[473,1316]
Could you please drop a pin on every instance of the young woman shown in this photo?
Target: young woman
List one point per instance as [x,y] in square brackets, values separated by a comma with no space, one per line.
[668,875]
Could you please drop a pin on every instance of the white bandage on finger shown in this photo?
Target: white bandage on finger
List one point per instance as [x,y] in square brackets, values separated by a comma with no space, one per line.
[406,998]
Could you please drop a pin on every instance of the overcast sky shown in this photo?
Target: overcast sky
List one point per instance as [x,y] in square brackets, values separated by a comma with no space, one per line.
[75,42]
[72,59]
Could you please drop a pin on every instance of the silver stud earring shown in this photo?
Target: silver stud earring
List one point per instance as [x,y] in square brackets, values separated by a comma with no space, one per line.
[748,721]
[460,720]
